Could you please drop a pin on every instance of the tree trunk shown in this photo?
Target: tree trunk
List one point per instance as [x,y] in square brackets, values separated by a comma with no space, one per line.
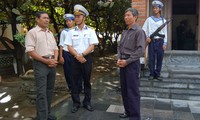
[19,51]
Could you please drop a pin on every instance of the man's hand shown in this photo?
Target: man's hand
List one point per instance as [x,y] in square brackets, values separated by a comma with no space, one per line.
[52,63]
[164,47]
[148,40]
[80,58]
[121,63]
[61,60]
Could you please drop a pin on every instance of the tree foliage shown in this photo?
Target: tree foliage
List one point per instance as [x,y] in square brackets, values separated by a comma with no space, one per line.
[109,22]
[106,20]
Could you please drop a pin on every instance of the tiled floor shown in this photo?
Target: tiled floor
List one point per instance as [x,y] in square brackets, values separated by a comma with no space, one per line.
[151,109]
[106,99]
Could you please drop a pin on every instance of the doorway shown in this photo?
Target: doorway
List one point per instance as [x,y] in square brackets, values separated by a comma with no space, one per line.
[185,22]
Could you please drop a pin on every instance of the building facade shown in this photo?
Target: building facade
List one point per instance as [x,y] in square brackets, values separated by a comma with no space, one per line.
[184,30]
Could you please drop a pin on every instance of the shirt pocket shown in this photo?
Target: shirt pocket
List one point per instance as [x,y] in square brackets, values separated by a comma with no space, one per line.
[41,38]
[75,40]
[129,45]
[86,39]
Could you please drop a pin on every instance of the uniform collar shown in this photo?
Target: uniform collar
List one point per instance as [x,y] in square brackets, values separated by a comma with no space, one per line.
[85,27]
[40,29]
[67,29]
[156,19]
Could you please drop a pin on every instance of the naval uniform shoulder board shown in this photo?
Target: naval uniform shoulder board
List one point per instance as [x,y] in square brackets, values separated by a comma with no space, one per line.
[71,28]
[66,29]
[91,27]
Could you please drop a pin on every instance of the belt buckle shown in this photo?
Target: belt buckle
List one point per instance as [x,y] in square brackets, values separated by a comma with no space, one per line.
[50,57]
[124,56]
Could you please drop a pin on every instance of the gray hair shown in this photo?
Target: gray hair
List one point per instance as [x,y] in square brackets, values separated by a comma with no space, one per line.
[133,11]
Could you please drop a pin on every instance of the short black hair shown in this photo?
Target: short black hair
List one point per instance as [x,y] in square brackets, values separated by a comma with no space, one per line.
[39,13]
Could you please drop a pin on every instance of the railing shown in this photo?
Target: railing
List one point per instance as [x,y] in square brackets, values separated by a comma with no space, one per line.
[6,62]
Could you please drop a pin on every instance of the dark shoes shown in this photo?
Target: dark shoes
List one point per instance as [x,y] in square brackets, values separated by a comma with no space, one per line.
[124,115]
[88,107]
[52,118]
[150,78]
[159,78]
[74,109]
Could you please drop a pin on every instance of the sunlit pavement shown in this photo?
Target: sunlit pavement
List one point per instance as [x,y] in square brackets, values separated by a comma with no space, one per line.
[106,100]
[13,106]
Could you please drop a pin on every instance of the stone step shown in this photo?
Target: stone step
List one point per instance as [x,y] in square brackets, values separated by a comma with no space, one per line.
[186,89]
[184,73]
[179,72]
[170,96]
[173,80]
[183,94]
[170,88]
[182,64]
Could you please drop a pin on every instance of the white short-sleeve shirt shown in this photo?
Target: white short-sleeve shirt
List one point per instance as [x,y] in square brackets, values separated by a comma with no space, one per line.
[80,40]
[63,36]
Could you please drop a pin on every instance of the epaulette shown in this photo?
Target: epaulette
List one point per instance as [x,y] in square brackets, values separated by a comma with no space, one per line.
[66,29]
[90,27]
[71,28]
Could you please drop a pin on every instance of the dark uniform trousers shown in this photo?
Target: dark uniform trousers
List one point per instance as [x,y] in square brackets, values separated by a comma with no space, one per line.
[156,54]
[85,70]
[67,70]
[45,80]
[129,78]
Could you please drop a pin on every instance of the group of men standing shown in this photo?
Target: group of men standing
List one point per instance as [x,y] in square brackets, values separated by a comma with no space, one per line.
[76,45]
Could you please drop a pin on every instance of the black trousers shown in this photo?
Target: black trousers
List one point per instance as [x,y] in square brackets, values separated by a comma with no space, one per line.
[130,82]
[67,70]
[85,70]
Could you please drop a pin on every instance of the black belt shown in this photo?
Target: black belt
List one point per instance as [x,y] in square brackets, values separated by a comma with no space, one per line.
[48,57]
[123,56]
[157,39]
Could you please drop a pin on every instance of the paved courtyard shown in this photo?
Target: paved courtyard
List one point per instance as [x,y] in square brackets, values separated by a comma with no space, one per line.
[107,102]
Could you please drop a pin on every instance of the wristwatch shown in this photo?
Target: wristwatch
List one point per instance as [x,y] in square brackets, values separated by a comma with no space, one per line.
[83,55]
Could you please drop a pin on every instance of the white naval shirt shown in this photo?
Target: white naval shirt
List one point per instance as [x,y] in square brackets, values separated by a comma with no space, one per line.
[63,36]
[151,24]
[80,40]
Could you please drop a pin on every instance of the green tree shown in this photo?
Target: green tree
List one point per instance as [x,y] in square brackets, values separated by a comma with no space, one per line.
[9,11]
[107,20]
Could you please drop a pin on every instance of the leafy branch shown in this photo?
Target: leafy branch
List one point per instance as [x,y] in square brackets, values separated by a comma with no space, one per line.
[20,38]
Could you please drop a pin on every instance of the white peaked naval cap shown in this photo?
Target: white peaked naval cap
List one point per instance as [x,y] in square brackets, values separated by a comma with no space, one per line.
[68,16]
[157,3]
[80,10]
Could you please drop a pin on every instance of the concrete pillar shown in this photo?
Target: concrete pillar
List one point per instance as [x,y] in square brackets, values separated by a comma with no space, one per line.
[169,30]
